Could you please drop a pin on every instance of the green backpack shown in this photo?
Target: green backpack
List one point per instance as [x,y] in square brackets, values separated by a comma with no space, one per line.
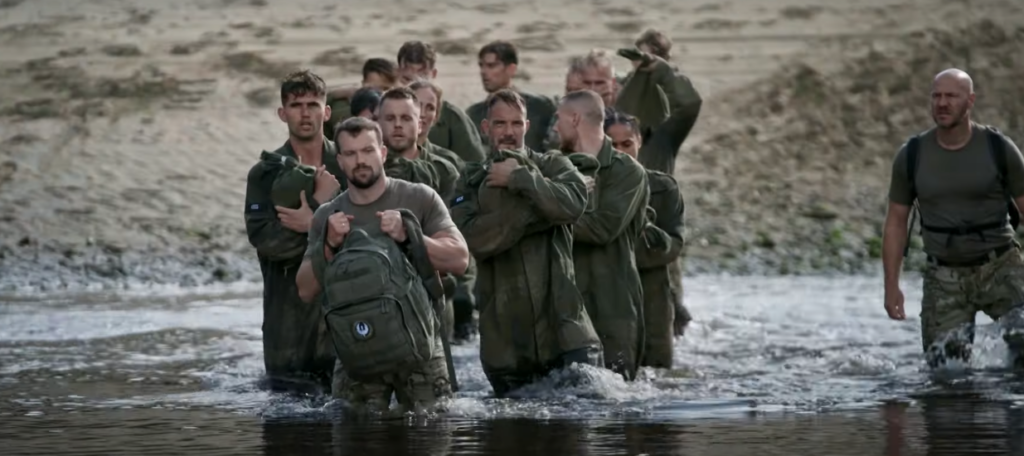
[292,178]
[378,312]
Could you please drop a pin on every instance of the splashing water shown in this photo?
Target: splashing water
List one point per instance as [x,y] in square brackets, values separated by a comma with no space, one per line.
[756,346]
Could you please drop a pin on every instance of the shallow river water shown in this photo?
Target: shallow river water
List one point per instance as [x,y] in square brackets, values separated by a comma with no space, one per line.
[768,366]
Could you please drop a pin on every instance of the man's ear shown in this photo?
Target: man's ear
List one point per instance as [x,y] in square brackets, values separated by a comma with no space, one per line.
[485,125]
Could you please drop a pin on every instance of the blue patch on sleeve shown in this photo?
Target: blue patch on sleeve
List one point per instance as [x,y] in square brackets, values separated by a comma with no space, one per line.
[458,200]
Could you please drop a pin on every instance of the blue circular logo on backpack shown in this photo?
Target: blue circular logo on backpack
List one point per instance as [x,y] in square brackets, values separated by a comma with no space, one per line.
[362,329]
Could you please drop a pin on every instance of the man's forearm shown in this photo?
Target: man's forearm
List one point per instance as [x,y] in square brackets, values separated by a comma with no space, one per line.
[894,240]
[305,280]
[447,255]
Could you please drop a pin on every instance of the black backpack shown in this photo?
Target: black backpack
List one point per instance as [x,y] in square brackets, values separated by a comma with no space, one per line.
[997,150]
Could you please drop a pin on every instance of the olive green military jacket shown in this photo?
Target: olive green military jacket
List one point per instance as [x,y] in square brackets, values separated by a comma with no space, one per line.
[521,238]
[659,248]
[644,96]
[296,346]
[455,131]
[604,254]
[662,239]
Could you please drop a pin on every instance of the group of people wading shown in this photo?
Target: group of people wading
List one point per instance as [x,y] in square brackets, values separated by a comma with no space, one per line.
[392,224]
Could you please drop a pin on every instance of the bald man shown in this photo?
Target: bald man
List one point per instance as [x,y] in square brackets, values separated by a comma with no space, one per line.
[967,181]
[604,237]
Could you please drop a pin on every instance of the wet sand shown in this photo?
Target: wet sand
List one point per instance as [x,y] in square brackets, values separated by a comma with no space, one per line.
[126,129]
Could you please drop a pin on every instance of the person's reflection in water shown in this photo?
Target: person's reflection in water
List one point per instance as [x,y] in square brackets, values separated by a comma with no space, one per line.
[363,437]
[295,438]
[520,437]
[895,416]
[652,438]
[971,424]
[418,436]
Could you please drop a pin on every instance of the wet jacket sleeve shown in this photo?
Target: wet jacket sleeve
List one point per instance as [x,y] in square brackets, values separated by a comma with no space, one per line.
[562,198]
[668,226]
[620,195]
[271,239]
[684,107]
[464,139]
[487,233]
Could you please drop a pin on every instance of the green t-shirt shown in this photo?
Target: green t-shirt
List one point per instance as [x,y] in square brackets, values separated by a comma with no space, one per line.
[957,188]
[422,200]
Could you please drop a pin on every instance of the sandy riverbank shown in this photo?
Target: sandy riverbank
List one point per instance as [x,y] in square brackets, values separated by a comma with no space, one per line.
[126,131]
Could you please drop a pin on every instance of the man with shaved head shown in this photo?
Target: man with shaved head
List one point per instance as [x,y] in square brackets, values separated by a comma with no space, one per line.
[967,181]
[605,236]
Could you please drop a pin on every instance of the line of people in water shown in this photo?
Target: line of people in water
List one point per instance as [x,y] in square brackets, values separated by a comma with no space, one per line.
[390,217]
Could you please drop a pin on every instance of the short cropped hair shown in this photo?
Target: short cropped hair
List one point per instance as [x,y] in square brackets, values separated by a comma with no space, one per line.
[356,125]
[588,103]
[383,67]
[417,53]
[507,96]
[302,83]
[504,51]
[399,93]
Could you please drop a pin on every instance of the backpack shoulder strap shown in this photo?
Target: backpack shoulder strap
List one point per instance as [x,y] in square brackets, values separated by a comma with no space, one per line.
[913,149]
[997,147]
[418,257]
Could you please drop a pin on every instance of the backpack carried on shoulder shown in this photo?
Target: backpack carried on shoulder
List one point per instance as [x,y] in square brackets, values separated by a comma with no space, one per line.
[997,150]
[378,312]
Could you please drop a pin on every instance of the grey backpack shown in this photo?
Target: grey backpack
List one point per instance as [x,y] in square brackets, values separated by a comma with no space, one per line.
[378,312]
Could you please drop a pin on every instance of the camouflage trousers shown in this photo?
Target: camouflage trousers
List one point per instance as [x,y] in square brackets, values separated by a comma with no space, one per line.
[954,295]
[415,389]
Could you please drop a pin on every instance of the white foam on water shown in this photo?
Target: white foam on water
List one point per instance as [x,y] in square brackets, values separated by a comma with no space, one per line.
[756,345]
